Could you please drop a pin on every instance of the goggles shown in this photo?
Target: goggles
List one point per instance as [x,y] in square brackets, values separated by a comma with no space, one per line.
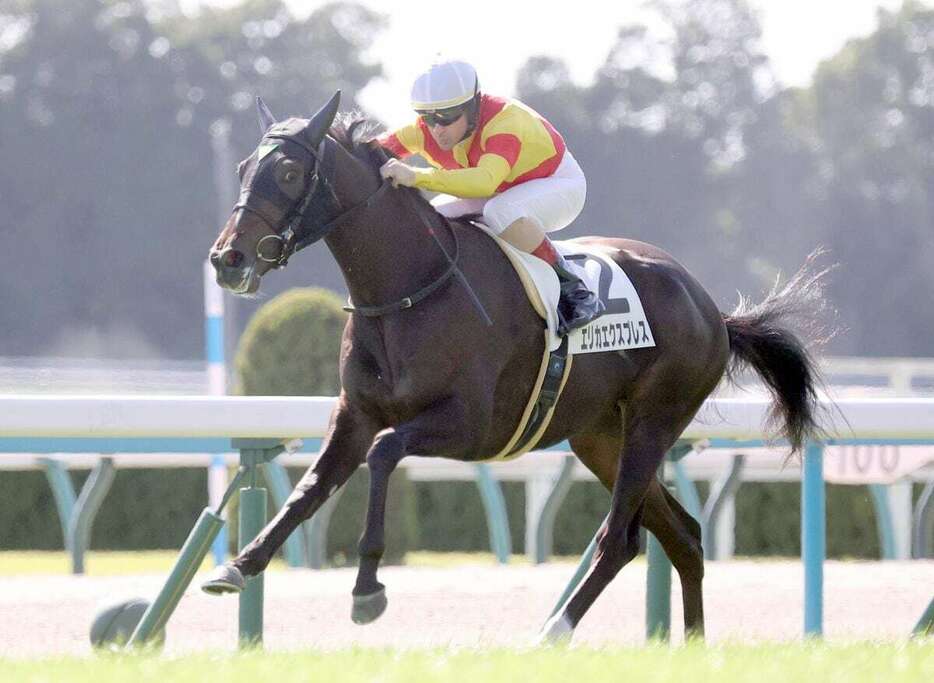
[443,118]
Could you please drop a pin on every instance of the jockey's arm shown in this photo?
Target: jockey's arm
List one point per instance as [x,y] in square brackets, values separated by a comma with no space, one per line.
[403,142]
[479,181]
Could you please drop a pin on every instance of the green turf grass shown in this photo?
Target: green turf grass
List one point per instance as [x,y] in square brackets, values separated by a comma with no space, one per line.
[120,563]
[811,661]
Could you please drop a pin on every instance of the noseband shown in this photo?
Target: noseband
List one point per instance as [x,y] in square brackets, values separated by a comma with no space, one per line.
[291,238]
[288,233]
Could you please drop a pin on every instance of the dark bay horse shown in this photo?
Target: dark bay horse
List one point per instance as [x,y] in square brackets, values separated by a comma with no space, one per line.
[423,374]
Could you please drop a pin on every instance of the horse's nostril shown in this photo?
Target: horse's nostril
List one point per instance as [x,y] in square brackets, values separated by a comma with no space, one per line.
[232,258]
[215,258]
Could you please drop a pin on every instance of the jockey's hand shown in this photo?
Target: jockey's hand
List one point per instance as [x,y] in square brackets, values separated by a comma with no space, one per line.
[398,172]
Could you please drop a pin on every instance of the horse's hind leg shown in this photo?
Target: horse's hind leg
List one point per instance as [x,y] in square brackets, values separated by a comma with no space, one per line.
[680,536]
[677,531]
[648,433]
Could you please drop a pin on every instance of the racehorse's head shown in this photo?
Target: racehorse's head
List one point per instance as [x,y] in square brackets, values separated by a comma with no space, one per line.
[279,183]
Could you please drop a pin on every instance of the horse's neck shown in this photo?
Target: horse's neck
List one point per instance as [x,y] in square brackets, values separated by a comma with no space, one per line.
[388,252]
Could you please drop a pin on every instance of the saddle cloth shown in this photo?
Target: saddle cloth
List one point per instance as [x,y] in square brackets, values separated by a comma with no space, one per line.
[623,325]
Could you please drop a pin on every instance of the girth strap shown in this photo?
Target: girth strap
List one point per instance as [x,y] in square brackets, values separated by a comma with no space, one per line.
[547,396]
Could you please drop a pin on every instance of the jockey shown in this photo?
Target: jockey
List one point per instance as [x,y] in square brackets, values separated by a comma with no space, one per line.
[497,157]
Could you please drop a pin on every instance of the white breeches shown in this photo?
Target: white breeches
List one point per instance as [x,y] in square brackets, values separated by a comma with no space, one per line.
[552,202]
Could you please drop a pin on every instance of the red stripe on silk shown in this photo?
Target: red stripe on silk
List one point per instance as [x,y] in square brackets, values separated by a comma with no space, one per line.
[490,106]
[544,169]
[391,142]
[505,145]
[444,158]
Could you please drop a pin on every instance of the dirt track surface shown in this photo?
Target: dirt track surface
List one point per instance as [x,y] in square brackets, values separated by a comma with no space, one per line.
[476,605]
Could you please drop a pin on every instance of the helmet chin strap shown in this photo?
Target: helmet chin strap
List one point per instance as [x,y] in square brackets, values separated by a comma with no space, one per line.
[473,113]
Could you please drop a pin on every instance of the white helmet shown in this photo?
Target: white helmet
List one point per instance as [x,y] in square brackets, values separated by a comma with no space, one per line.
[445,84]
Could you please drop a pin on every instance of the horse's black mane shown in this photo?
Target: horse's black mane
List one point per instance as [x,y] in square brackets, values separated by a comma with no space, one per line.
[357,133]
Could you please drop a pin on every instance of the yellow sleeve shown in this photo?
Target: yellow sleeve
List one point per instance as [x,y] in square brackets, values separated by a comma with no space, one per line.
[403,142]
[480,181]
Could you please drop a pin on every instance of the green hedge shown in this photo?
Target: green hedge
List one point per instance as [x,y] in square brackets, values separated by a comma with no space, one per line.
[451,516]
[155,508]
[768,520]
[291,346]
[28,520]
[145,508]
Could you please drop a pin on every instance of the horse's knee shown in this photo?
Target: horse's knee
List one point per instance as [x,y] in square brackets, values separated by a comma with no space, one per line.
[691,564]
[618,546]
[369,548]
[696,543]
[387,450]
[372,543]
[690,525]
[693,567]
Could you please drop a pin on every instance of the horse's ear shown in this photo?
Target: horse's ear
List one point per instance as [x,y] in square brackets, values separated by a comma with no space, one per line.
[321,122]
[266,119]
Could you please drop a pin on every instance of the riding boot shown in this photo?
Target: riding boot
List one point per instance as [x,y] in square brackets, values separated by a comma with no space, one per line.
[577,305]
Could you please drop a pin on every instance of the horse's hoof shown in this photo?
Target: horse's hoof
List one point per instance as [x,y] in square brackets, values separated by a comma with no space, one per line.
[556,631]
[367,608]
[224,579]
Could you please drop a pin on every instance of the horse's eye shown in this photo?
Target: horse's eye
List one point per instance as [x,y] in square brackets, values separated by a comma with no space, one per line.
[290,177]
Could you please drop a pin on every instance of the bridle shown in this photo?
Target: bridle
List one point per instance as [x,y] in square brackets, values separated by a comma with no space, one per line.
[288,232]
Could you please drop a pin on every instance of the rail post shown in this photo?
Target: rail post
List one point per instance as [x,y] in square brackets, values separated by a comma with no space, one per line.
[495,506]
[254,453]
[193,552]
[925,624]
[217,386]
[813,538]
[657,591]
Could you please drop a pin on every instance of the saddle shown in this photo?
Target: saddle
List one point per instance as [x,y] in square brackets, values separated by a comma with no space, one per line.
[622,326]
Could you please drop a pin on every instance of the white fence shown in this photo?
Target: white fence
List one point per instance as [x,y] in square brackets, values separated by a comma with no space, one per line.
[32,375]
[27,422]
[32,420]
[896,419]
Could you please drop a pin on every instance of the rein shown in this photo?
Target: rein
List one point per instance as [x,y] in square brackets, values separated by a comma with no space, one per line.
[290,242]
[453,269]
[423,293]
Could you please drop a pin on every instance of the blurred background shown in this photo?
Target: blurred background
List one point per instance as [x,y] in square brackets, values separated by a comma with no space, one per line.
[739,136]
[737,149]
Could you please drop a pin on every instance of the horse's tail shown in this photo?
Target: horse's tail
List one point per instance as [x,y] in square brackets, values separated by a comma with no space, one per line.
[759,338]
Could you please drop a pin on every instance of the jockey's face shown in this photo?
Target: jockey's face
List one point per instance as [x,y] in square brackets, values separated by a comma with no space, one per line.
[448,135]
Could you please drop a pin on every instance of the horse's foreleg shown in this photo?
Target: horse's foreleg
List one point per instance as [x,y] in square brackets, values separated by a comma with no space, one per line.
[680,536]
[369,595]
[345,445]
[430,432]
